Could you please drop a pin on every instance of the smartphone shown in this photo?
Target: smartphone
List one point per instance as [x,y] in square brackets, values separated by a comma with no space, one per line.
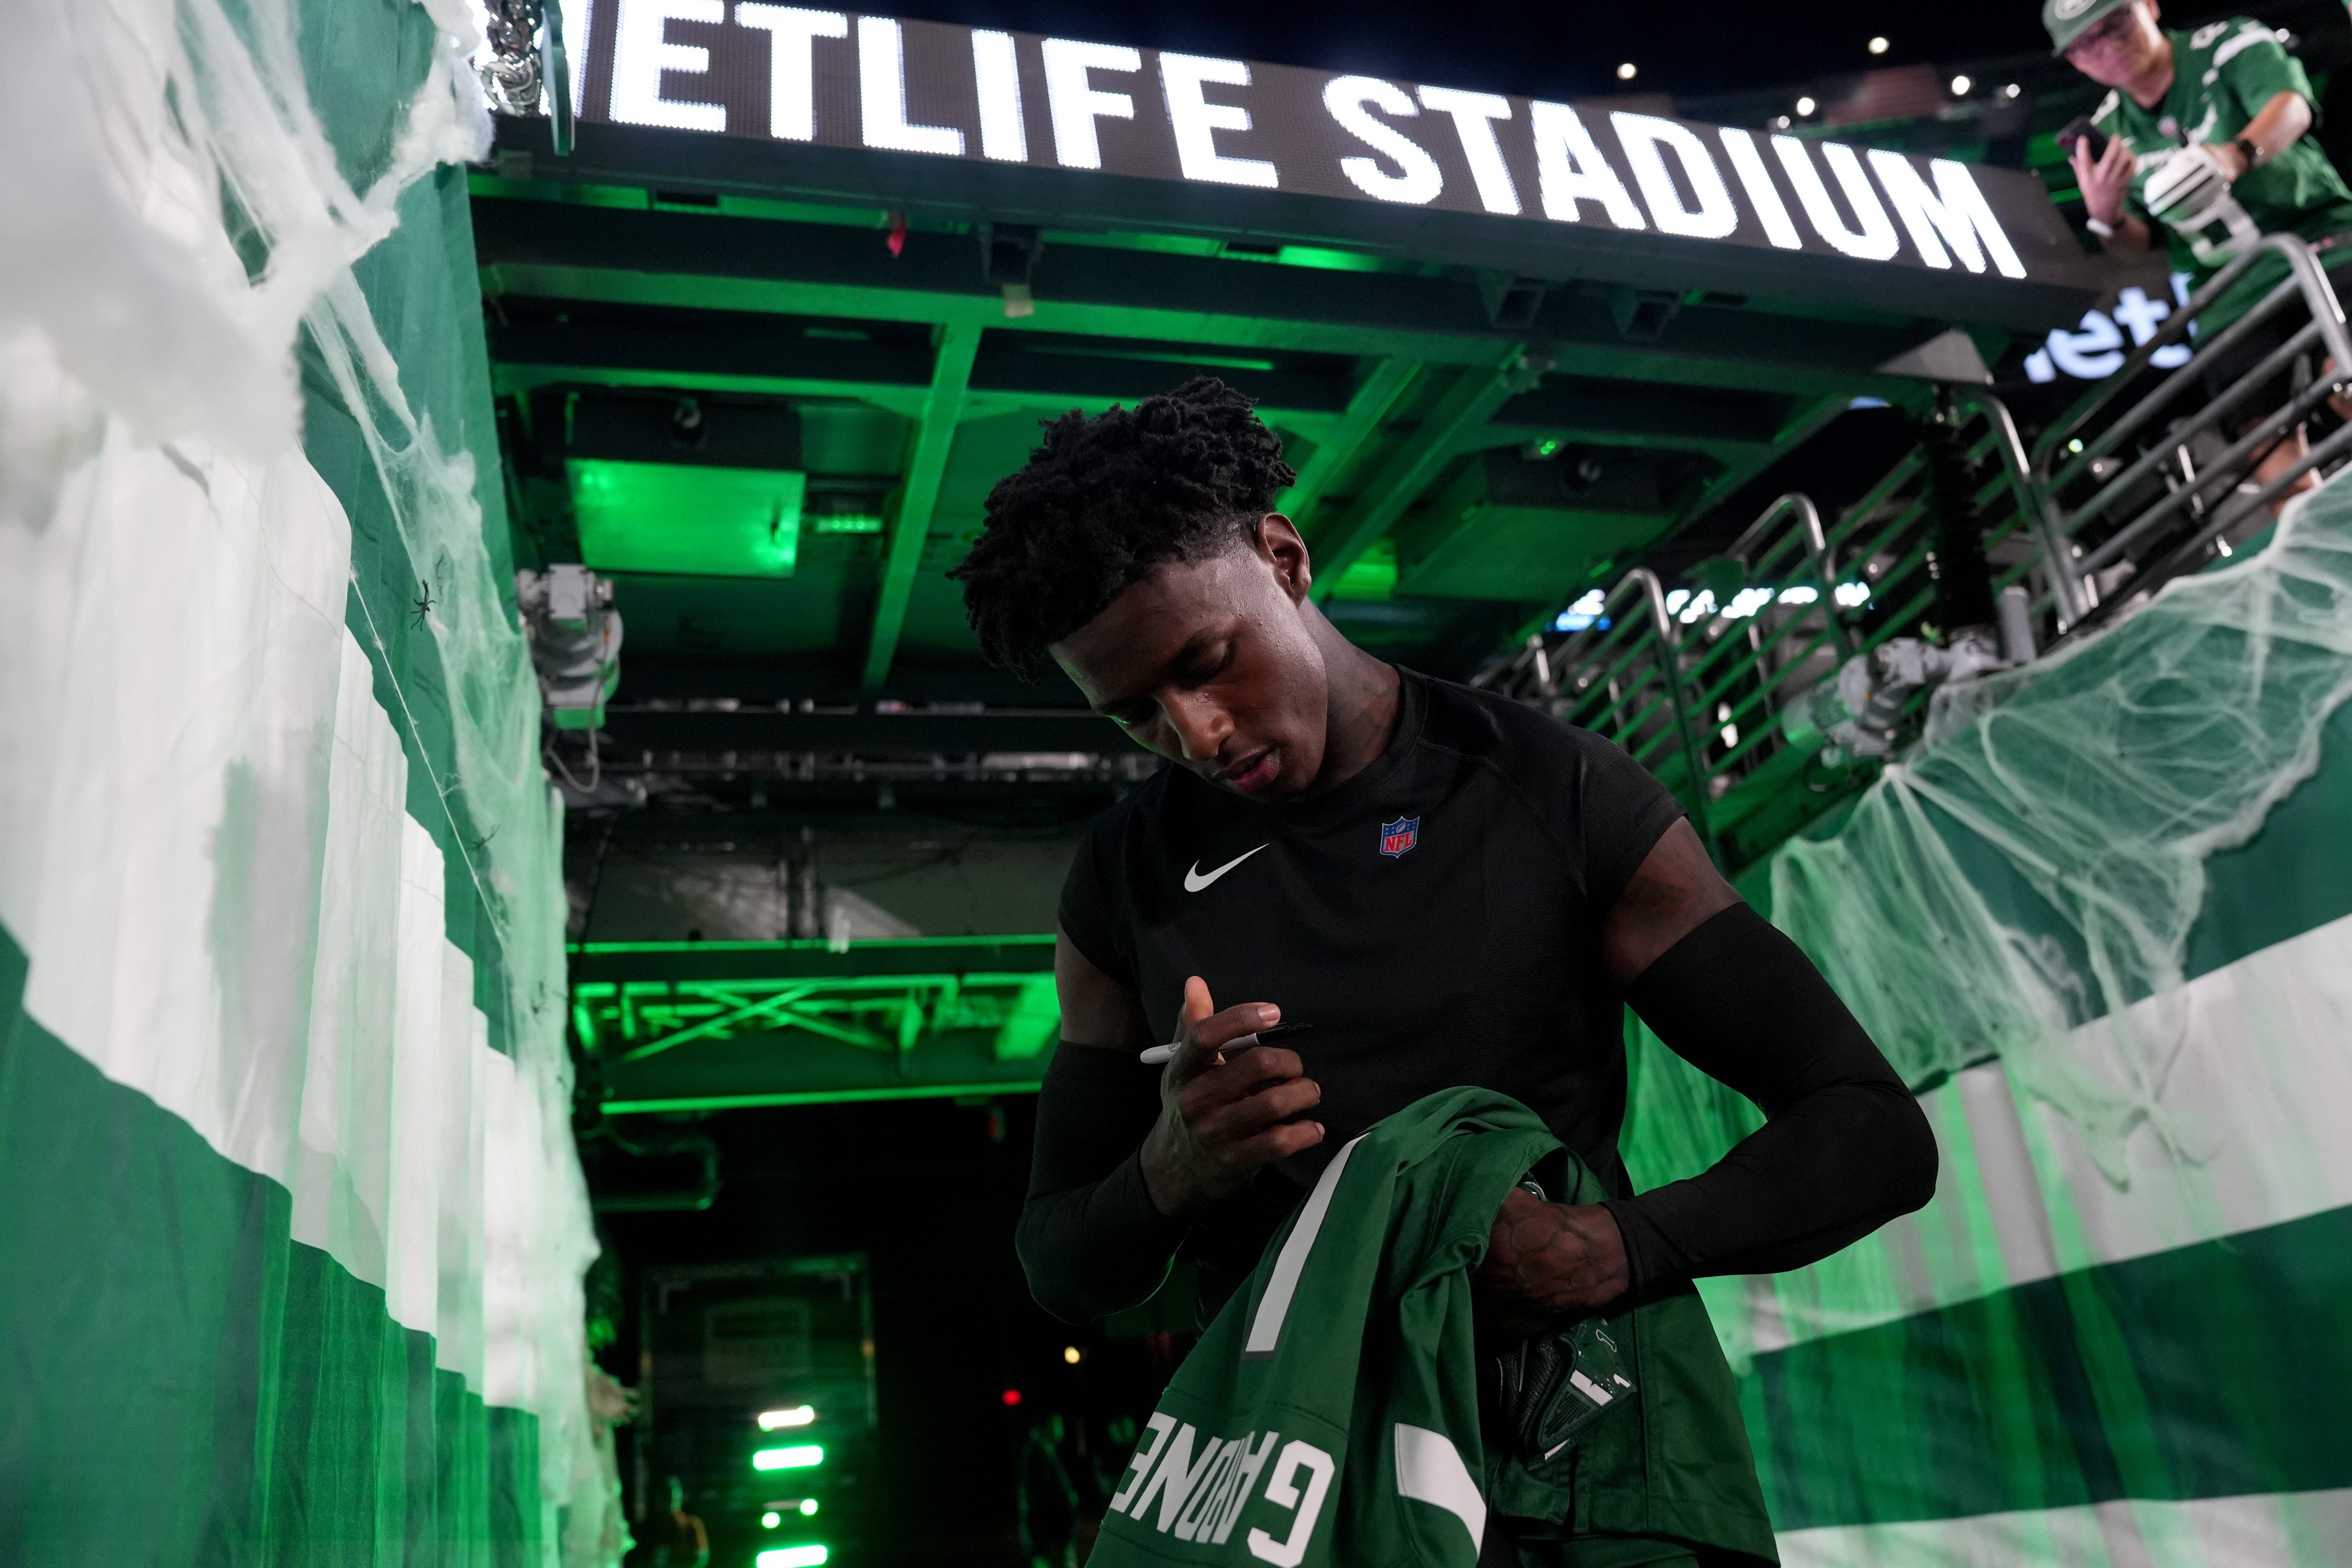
[2080,128]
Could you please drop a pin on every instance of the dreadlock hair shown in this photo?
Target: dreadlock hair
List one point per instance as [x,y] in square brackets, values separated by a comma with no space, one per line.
[1101,501]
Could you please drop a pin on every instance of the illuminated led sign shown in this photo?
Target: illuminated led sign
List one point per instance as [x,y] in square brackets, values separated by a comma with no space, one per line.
[747,69]
[2097,348]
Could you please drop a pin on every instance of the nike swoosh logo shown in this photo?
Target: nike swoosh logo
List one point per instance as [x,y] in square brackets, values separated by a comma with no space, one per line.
[1194,880]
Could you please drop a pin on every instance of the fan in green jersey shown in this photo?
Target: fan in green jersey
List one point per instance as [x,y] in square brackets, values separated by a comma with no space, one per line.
[2208,137]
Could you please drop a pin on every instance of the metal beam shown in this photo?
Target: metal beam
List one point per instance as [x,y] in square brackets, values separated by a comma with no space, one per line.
[1049,375]
[1398,482]
[934,438]
[744,1012]
[548,249]
[710,357]
[523,379]
[617,962]
[719,357]
[700,342]
[676,1043]
[1367,406]
[1729,425]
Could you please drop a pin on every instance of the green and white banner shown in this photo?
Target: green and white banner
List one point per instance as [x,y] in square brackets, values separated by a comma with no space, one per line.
[296,1226]
[2103,918]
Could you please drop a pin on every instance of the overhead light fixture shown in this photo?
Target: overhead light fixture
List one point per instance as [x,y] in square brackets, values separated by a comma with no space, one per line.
[810,1556]
[800,1456]
[770,1519]
[1780,122]
[1628,71]
[2011,91]
[1879,46]
[575,640]
[1584,612]
[680,485]
[1960,86]
[793,1416]
[1072,1354]
[686,520]
[1806,106]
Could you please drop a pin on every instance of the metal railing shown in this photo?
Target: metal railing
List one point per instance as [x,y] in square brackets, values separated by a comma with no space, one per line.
[2124,487]
[1762,634]
[1624,680]
[1697,683]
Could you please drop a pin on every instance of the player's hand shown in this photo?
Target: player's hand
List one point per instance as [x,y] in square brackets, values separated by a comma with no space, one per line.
[2105,180]
[1222,1119]
[1546,1261]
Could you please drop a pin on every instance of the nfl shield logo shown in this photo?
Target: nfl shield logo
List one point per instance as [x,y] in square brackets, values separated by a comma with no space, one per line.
[1400,835]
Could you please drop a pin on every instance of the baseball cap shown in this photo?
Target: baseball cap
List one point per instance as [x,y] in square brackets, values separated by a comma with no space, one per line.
[2070,19]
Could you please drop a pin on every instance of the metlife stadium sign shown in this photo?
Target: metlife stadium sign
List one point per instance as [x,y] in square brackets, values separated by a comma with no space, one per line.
[1591,191]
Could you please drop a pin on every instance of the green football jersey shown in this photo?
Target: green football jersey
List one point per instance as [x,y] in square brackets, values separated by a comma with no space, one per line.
[1331,1414]
[2222,75]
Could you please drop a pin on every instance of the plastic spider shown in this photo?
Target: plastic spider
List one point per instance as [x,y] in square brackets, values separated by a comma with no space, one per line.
[423,602]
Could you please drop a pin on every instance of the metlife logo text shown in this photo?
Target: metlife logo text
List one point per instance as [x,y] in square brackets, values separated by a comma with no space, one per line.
[2097,348]
[784,74]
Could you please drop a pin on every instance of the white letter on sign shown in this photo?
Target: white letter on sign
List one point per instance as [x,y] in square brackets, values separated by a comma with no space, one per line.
[1475,114]
[1196,121]
[642,51]
[1646,139]
[996,70]
[1570,169]
[1279,1491]
[1874,241]
[1345,97]
[791,63]
[1074,103]
[1955,209]
[1770,210]
[882,95]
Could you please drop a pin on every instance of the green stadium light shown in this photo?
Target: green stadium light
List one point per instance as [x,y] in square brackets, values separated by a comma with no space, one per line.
[794,1415]
[812,1555]
[799,1456]
[770,1519]
[808,1506]
[686,520]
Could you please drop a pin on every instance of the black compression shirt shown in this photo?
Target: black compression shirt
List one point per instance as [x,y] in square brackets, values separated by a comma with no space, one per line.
[1435,920]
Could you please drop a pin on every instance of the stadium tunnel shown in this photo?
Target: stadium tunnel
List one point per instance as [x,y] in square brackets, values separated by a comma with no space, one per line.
[601,905]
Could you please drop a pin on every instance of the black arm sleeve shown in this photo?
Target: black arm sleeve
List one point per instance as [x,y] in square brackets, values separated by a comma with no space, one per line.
[1845,1149]
[1090,1239]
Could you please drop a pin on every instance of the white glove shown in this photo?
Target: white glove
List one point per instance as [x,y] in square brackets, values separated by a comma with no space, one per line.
[2190,194]
[2186,188]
